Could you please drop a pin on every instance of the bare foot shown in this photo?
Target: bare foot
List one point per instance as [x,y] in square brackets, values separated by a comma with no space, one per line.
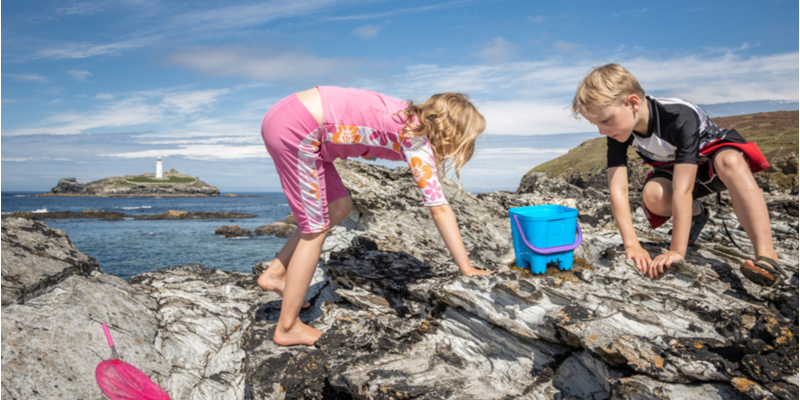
[475,271]
[299,333]
[275,283]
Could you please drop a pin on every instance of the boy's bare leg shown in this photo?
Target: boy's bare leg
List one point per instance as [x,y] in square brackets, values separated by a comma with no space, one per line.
[274,277]
[657,195]
[748,201]
[290,330]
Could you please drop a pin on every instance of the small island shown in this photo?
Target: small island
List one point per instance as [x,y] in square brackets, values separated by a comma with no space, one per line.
[168,184]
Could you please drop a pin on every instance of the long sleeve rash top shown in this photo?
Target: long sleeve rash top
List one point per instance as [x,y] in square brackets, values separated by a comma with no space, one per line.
[360,123]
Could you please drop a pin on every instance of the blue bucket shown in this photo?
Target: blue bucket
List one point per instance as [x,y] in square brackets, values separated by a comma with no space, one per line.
[545,235]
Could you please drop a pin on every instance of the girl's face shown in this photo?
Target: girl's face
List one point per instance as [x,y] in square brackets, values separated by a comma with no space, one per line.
[616,121]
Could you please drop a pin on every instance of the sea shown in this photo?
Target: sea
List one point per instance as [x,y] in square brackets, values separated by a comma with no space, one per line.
[129,247]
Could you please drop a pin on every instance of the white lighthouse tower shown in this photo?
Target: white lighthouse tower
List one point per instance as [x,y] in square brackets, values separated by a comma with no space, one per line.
[159,169]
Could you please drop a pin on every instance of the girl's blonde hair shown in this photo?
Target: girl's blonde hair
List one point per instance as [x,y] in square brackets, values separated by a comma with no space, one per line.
[451,123]
[604,86]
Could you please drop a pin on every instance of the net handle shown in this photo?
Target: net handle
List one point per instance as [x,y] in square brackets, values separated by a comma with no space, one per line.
[110,342]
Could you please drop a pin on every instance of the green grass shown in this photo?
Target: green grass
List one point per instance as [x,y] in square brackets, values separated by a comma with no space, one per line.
[776,134]
[172,179]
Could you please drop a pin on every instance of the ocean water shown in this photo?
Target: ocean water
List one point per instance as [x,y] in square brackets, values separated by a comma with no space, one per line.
[129,247]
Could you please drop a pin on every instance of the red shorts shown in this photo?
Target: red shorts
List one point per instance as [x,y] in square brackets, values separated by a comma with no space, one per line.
[706,181]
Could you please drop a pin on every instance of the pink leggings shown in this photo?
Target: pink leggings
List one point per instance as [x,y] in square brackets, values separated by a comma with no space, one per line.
[292,135]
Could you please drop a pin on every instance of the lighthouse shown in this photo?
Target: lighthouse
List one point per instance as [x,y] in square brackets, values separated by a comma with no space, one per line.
[159,169]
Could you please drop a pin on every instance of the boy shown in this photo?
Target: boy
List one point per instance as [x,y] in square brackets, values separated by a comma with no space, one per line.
[692,157]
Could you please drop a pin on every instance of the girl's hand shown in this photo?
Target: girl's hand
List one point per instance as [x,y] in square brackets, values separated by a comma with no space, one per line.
[662,262]
[640,256]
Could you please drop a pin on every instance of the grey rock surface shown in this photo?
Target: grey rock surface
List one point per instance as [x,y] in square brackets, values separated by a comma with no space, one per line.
[52,338]
[400,322]
[35,258]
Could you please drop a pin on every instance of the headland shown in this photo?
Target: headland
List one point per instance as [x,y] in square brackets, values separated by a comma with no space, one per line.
[173,184]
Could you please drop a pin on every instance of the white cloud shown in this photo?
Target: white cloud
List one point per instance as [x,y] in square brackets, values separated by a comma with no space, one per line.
[259,65]
[84,50]
[518,117]
[497,50]
[567,47]
[29,77]
[201,152]
[79,75]
[192,102]
[85,8]
[518,150]
[239,16]
[104,96]
[537,19]
[366,31]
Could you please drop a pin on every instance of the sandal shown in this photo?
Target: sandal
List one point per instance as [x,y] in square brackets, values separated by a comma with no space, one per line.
[764,272]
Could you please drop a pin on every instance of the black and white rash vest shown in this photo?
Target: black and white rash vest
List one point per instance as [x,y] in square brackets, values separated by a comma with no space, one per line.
[676,133]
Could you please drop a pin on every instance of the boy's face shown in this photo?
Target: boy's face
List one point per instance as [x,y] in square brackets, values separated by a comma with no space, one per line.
[616,121]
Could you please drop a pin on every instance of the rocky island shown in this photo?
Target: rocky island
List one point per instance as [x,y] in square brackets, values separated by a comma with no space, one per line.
[173,184]
[401,323]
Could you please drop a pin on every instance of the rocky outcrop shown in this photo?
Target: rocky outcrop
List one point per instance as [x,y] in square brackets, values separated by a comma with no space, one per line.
[400,322]
[54,302]
[68,186]
[233,231]
[129,186]
[176,214]
[283,228]
[36,258]
[85,214]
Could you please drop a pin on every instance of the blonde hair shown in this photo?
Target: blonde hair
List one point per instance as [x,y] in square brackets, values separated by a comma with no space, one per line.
[604,86]
[451,123]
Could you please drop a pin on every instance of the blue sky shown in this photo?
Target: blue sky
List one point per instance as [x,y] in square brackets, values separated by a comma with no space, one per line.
[102,88]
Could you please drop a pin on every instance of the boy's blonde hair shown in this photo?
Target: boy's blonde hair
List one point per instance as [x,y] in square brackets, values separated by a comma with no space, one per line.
[604,86]
[452,124]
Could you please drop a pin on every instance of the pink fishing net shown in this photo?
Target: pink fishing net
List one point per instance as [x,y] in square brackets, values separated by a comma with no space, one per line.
[122,381]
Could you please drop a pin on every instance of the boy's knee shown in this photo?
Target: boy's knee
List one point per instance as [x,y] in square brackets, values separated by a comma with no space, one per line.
[653,196]
[730,163]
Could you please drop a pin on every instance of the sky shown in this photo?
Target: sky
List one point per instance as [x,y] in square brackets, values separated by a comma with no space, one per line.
[102,88]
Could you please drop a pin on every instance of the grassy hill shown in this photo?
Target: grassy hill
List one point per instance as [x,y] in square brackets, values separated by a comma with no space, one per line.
[776,133]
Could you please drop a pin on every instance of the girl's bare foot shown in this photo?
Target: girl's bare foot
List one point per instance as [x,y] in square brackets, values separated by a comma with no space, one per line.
[299,333]
[275,283]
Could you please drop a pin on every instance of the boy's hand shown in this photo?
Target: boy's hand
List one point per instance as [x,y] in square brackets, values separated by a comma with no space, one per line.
[640,256]
[662,262]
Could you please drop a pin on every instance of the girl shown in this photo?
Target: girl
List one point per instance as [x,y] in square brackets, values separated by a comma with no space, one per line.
[305,132]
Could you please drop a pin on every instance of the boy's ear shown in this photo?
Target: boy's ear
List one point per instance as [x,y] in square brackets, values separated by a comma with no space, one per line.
[635,102]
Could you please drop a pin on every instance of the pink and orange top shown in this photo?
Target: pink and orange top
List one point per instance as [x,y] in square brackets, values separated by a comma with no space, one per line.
[359,122]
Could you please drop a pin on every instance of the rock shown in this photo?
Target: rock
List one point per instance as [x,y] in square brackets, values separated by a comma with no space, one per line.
[400,322]
[283,228]
[233,231]
[174,214]
[52,335]
[85,214]
[36,258]
[129,186]
[69,186]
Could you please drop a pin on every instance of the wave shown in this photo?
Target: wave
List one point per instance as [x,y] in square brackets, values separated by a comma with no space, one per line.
[240,238]
[39,211]
[21,195]
[153,234]
[131,208]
